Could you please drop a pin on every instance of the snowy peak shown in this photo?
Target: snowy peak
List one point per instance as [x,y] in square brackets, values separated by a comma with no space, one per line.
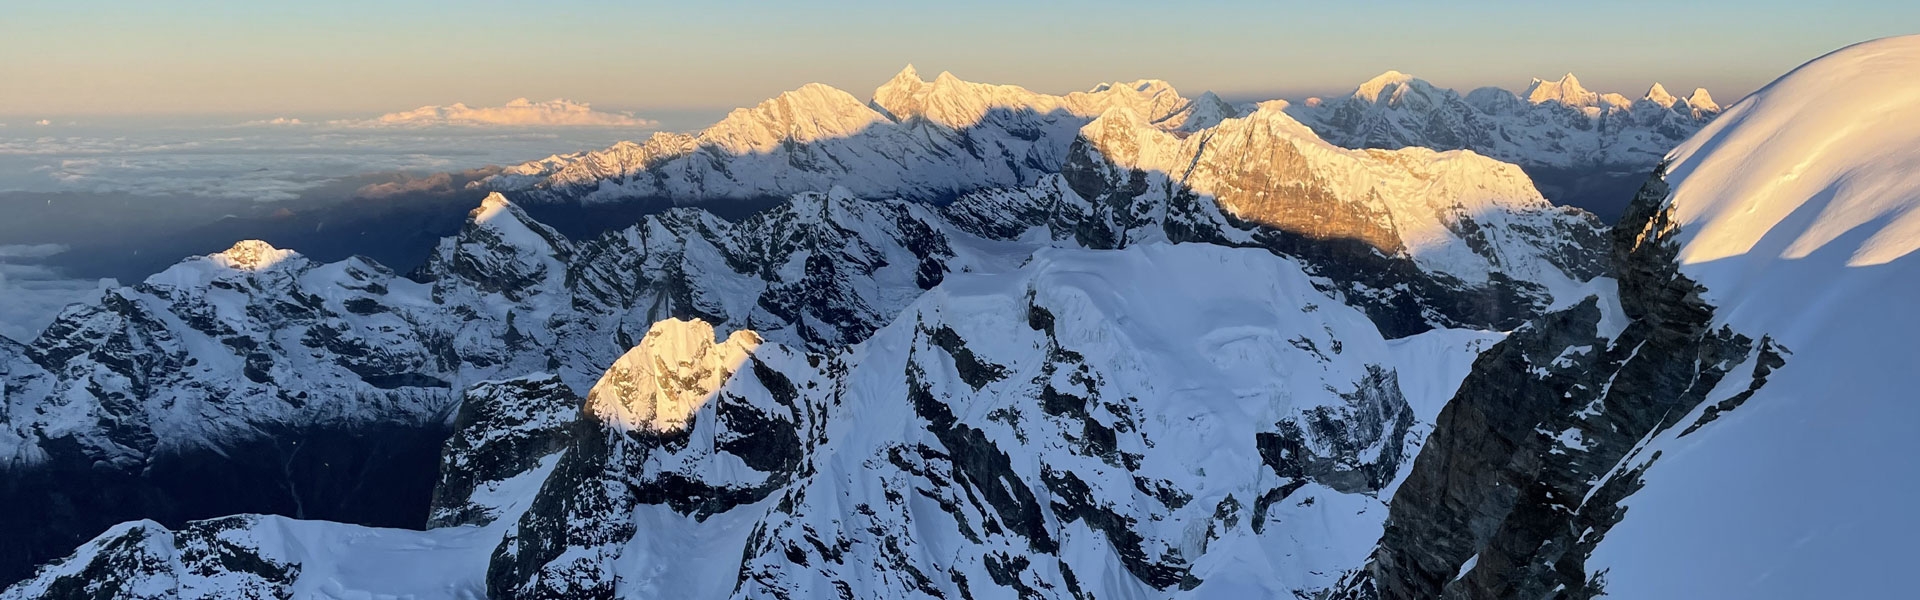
[1205,111]
[1700,100]
[252,260]
[1567,90]
[899,98]
[1386,83]
[916,139]
[1658,95]
[252,255]
[512,227]
[658,385]
[958,104]
[500,249]
[496,211]
[809,114]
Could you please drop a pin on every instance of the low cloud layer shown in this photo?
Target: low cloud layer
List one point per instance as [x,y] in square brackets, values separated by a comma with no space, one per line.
[35,293]
[520,112]
[265,163]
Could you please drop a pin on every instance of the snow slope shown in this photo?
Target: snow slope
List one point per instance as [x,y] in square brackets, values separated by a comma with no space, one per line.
[1796,210]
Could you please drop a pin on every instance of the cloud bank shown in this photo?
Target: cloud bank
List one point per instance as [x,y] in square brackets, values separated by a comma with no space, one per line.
[520,112]
[35,293]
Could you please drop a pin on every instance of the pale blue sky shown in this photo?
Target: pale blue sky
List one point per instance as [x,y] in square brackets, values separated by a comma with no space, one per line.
[218,57]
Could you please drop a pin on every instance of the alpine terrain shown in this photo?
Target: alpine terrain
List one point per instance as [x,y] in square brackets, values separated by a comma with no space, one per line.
[980,342]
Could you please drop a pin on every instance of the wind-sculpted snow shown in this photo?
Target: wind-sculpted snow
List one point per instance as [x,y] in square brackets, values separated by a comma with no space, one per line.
[1551,123]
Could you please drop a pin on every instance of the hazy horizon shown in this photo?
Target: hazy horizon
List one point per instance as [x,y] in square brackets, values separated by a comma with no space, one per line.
[201,58]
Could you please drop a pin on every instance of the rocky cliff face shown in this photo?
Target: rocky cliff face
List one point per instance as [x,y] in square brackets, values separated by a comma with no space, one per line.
[505,438]
[1528,465]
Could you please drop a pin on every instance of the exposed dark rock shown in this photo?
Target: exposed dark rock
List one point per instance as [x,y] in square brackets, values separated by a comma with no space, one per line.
[1516,473]
[504,429]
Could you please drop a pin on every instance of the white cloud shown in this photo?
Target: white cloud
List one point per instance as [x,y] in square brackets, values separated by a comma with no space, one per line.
[43,122]
[267,163]
[276,121]
[35,294]
[518,113]
[17,252]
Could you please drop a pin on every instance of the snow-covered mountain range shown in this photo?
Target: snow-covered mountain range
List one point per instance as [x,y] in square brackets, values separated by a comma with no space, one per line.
[1581,148]
[934,140]
[201,373]
[1190,351]
[914,139]
[1549,123]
